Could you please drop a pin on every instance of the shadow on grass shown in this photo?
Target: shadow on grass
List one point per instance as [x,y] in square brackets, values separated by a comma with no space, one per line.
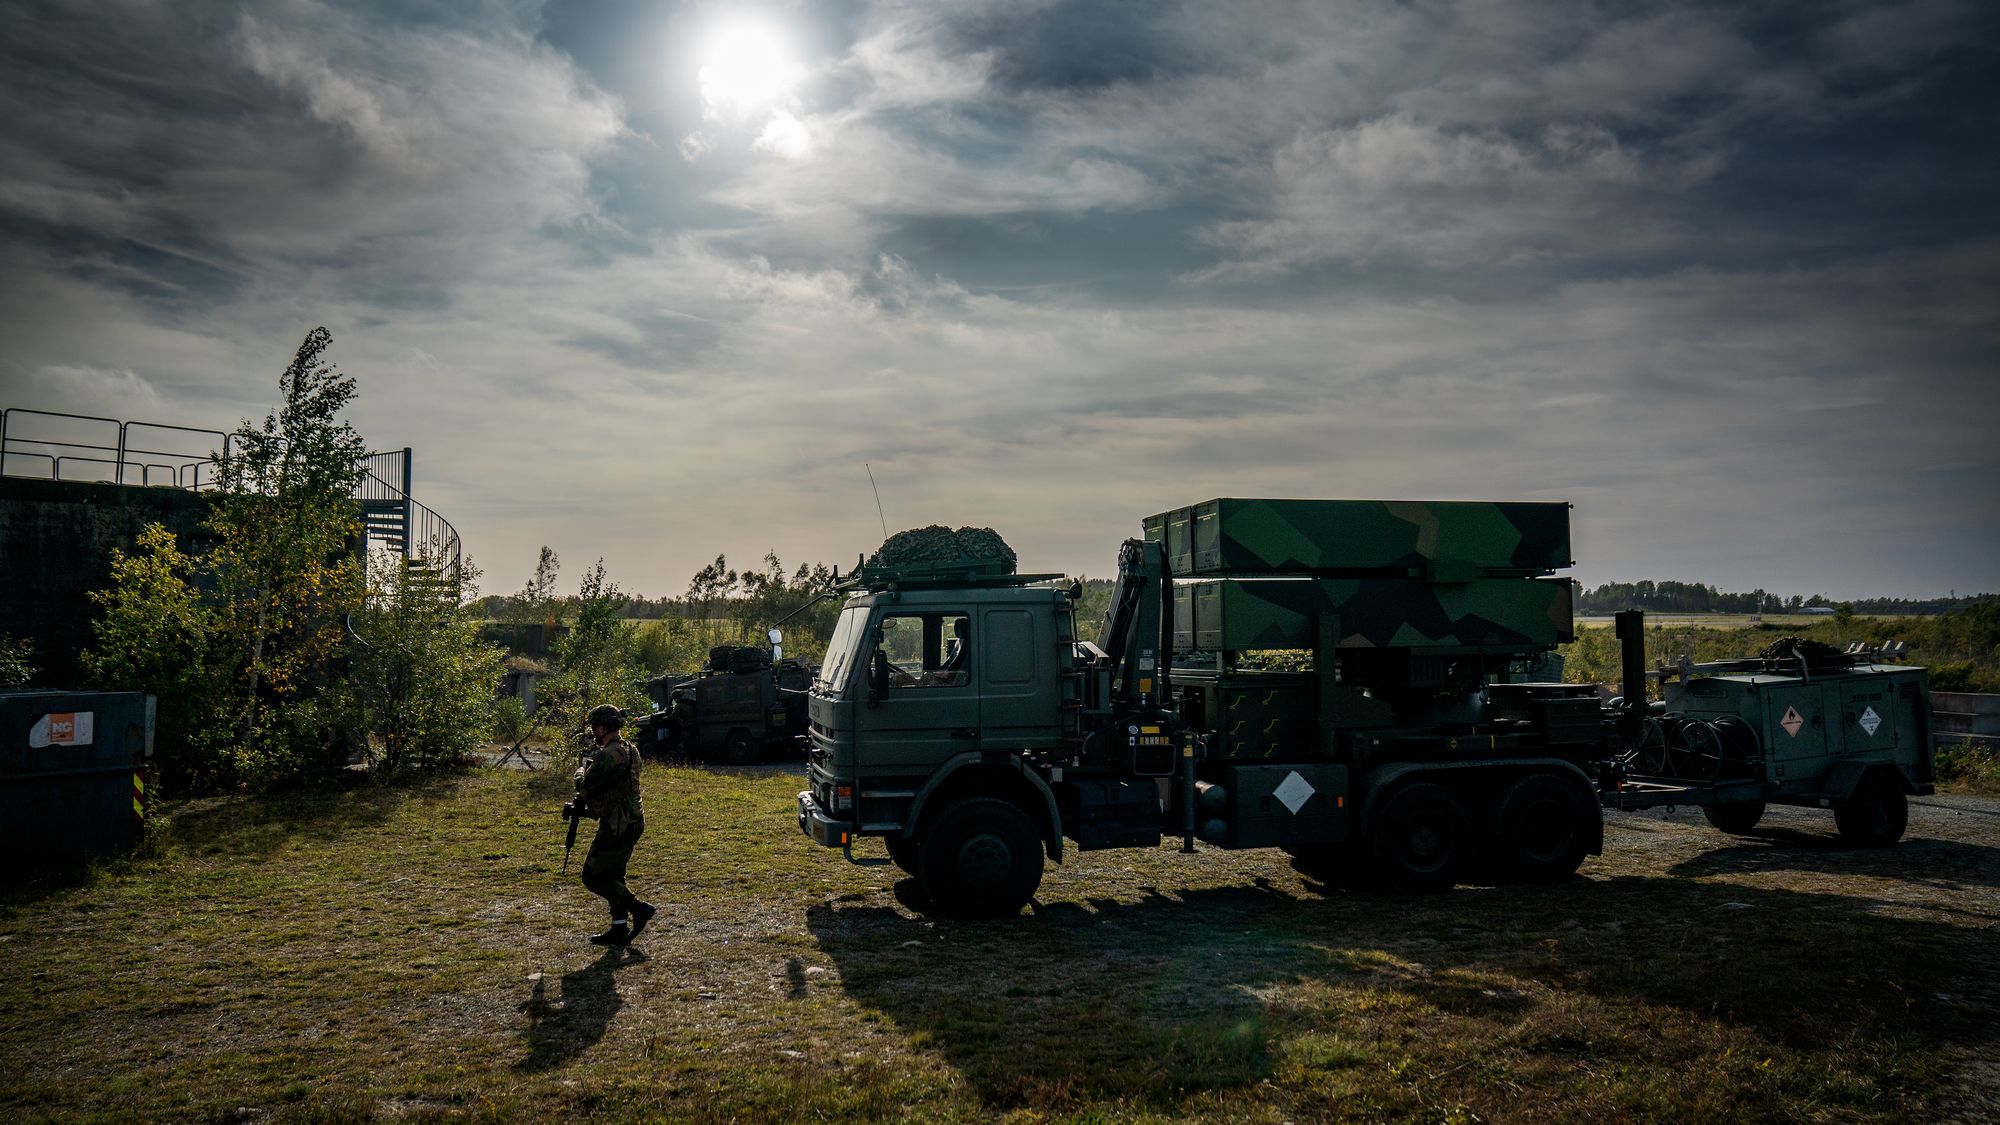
[243,825]
[1923,861]
[1183,993]
[252,825]
[559,1032]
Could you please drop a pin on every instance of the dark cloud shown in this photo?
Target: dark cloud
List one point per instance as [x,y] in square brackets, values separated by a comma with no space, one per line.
[1069,45]
[1723,275]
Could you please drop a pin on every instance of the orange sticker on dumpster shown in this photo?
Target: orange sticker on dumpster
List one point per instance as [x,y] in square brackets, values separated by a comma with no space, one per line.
[63,728]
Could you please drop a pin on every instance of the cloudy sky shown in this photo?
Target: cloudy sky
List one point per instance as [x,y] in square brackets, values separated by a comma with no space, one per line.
[655,281]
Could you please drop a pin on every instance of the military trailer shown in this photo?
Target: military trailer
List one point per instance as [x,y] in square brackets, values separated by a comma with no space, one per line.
[1802,725]
[960,717]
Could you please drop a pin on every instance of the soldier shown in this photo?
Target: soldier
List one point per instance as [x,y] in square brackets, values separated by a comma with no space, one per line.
[607,787]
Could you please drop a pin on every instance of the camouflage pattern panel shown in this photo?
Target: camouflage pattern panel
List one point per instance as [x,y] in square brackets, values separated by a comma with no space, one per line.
[1523,615]
[1441,541]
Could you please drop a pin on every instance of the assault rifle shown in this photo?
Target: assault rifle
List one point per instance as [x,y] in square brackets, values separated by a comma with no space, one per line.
[574,813]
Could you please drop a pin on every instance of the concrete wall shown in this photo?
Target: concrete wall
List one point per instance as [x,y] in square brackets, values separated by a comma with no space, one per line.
[1961,716]
[56,539]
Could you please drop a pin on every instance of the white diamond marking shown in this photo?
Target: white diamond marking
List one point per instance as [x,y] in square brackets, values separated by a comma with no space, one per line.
[1294,792]
[1870,720]
[1792,721]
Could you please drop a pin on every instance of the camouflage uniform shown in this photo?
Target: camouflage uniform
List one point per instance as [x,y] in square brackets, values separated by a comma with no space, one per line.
[608,782]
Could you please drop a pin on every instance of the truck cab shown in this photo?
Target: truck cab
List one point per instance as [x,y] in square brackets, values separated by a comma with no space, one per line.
[932,691]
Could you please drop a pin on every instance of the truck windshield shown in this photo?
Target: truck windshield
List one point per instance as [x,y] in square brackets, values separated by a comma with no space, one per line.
[842,649]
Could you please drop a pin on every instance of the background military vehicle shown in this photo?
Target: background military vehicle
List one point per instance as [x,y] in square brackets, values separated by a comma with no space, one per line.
[960,717]
[740,706]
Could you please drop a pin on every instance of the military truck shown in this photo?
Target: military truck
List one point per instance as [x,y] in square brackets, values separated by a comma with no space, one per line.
[739,707]
[961,718]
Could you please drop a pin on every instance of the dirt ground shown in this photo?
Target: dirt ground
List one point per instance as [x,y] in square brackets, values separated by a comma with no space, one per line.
[1944,875]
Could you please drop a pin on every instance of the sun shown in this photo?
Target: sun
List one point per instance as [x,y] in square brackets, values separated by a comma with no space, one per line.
[746,68]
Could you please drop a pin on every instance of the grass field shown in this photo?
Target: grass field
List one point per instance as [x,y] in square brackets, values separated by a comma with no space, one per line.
[412,954]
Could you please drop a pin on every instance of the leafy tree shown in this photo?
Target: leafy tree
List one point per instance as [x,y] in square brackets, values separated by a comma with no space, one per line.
[246,647]
[537,603]
[154,633]
[597,659]
[422,676]
[17,661]
[285,571]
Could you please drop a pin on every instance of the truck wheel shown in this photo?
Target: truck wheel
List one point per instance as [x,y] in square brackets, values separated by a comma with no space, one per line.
[1875,816]
[740,749]
[981,859]
[1540,830]
[1734,817]
[903,851]
[1419,839]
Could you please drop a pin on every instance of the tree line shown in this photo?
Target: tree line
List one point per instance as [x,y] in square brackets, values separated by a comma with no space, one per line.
[1694,597]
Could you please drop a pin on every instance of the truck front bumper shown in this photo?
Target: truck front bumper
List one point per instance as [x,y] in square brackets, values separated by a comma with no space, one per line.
[814,822]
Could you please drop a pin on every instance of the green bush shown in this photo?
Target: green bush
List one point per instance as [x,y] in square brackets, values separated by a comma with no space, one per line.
[510,719]
[597,660]
[422,676]
[1970,766]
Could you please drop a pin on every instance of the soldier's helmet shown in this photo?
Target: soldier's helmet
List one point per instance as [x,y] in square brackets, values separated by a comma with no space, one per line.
[605,715]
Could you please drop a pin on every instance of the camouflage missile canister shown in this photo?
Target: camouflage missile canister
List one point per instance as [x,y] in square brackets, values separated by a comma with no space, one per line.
[1495,615]
[1436,541]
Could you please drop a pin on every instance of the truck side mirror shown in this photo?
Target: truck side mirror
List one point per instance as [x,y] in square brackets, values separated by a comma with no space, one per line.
[878,678]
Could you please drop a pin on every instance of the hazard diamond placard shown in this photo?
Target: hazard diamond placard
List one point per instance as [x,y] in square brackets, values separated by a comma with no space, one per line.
[1870,720]
[1792,721]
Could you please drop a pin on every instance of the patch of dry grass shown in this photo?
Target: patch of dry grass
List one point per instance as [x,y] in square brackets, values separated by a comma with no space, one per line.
[391,954]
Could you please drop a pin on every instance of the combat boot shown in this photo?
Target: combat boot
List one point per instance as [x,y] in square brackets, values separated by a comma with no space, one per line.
[642,913]
[618,934]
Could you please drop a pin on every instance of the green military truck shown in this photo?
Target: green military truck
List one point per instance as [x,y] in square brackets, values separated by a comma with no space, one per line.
[740,706]
[960,717]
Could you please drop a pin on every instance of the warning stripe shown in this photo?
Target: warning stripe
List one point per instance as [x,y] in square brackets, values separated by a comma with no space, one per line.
[138,796]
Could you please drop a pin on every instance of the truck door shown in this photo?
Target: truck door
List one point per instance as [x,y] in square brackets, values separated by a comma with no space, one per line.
[931,710]
[1019,706]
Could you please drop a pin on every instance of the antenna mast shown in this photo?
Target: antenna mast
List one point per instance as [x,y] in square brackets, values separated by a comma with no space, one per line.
[878,501]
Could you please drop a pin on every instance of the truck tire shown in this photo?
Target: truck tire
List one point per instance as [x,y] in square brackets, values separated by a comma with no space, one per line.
[1419,840]
[981,858]
[739,749]
[1540,830]
[1734,817]
[903,850]
[1875,816]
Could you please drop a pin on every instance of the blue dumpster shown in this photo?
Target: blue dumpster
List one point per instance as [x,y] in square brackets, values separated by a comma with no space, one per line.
[72,774]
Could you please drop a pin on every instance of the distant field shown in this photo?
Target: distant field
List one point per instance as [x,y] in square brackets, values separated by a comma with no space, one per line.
[1737,620]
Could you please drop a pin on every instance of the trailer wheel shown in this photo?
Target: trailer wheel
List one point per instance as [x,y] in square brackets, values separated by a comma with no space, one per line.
[739,749]
[1540,830]
[903,850]
[1734,817]
[1419,839]
[1875,816]
[981,859]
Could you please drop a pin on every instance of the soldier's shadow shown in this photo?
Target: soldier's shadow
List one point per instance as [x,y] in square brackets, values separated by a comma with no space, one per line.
[562,1030]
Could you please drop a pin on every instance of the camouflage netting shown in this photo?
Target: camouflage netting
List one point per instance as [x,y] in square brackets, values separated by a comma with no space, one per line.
[940,544]
[1819,657]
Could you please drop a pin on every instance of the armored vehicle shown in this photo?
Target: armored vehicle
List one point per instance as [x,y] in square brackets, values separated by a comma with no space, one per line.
[960,717]
[740,706]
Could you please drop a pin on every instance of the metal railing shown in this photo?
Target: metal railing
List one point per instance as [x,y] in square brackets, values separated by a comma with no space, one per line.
[395,520]
[391,518]
[120,453]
